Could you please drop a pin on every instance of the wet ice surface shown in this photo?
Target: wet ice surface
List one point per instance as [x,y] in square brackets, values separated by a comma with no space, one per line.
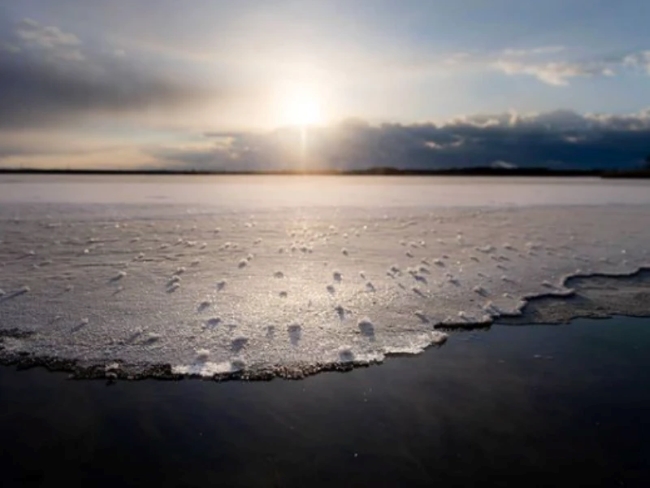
[212,285]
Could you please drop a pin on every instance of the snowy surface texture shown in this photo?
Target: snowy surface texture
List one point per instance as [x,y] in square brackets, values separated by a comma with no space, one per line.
[219,275]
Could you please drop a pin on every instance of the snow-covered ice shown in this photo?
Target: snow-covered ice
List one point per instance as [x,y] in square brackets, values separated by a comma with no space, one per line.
[208,274]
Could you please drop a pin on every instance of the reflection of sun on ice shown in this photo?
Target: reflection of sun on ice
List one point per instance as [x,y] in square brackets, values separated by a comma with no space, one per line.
[299,105]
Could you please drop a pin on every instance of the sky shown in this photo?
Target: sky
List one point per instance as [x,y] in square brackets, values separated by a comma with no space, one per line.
[345,84]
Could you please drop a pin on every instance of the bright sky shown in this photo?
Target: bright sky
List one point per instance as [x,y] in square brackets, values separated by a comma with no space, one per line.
[141,83]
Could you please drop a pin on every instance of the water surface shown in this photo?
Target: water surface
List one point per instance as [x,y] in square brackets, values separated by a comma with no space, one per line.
[509,406]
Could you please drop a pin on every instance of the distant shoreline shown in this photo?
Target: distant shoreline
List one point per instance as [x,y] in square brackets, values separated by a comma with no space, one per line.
[381,171]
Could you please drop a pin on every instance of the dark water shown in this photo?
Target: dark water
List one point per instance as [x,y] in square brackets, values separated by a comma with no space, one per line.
[481,410]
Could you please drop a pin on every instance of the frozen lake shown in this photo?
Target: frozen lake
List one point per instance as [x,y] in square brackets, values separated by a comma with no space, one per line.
[290,275]
[238,192]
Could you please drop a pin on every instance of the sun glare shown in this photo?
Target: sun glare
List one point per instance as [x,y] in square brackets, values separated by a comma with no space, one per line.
[300,106]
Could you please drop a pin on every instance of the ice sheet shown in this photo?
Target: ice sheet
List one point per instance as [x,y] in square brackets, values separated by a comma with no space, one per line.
[214,289]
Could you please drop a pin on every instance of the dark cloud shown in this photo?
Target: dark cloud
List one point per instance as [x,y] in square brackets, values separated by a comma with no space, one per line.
[47,77]
[557,139]
[34,93]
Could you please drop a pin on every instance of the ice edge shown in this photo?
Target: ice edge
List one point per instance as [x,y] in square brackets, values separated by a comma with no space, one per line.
[125,371]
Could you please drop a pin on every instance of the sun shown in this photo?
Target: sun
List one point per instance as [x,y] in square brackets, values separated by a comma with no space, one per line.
[300,106]
[303,109]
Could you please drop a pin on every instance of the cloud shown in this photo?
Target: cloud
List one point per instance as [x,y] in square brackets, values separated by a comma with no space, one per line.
[58,44]
[555,73]
[546,63]
[9,47]
[533,51]
[638,60]
[33,93]
[540,63]
[555,138]
[47,77]
[45,36]
[503,165]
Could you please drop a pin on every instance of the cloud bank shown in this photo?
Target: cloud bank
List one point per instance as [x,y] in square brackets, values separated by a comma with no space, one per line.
[559,139]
